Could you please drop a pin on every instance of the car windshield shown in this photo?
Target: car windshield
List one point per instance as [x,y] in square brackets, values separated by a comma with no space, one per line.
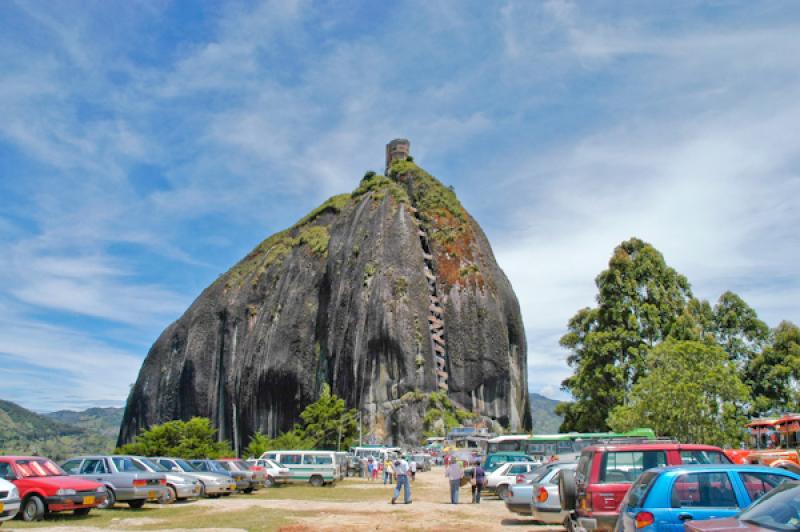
[242,465]
[228,466]
[216,466]
[272,464]
[158,468]
[40,467]
[186,466]
[777,510]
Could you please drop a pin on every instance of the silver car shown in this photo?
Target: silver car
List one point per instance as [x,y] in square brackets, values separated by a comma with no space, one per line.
[211,484]
[179,486]
[518,498]
[276,473]
[257,477]
[546,503]
[125,480]
[241,480]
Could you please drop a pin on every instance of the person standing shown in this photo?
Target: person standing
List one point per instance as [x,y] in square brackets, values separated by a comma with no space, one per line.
[370,468]
[454,473]
[401,472]
[387,471]
[413,468]
[478,480]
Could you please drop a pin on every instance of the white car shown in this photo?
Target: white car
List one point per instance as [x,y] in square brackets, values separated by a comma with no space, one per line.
[9,500]
[504,476]
[276,474]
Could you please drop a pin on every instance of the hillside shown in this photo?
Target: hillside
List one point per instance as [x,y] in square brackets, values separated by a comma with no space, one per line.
[543,415]
[104,421]
[57,435]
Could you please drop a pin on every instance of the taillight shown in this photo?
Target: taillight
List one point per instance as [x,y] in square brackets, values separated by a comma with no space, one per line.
[644,519]
[542,495]
[520,479]
[163,482]
[139,483]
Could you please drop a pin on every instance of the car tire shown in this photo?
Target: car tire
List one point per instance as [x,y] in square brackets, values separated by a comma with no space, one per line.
[269,482]
[567,491]
[138,503]
[568,525]
[111,500]
[502,491]
[83,511]
[32,509]
[202,490]
[248,490]
[316,481]
[169,496]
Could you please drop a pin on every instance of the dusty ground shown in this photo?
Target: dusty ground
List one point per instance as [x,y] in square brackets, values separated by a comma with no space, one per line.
[350,505]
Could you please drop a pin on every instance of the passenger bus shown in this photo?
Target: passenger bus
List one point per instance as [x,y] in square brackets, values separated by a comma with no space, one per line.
[376,452]
[546,445]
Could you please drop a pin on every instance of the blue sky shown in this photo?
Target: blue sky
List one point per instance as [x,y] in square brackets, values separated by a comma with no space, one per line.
[147,146]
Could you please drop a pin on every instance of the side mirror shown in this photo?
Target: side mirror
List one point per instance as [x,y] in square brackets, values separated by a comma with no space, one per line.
[175,469]
[10,477]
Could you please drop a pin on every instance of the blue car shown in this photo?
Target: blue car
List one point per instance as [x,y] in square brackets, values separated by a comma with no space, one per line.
[664,498]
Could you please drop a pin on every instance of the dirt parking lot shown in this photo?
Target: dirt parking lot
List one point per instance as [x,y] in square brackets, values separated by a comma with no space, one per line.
[353,504]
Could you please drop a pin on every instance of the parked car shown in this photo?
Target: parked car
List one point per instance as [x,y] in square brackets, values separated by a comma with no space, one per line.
[314,467]
[179,486]
[520,494]
[506,475]
[125,481]
[663,499]
[546,503]
[593,492]
[257,477]
[44,487]
[241,480]
[495,460]
[777,510]
[211,484]
[9,495]
[276,474]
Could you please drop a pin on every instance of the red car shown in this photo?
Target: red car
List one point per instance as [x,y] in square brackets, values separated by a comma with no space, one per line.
[44,487]
[593,492]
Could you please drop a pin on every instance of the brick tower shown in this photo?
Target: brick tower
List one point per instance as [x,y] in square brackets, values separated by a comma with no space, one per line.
[397,150]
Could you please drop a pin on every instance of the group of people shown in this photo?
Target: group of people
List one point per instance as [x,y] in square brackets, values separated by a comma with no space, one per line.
[404,472]
[388,469]
[454,471]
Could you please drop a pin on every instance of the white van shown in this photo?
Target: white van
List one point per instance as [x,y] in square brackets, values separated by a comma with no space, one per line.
[314,467]
[376,452]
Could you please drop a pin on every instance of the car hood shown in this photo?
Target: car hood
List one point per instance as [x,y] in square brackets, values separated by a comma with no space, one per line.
[728,524]
[65,482]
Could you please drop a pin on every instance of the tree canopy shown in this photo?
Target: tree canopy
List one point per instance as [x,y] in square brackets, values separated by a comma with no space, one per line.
[639,301]
[643,303]
[195,438]
[691,391]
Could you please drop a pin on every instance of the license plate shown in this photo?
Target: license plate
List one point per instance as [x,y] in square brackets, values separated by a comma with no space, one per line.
[88,500]
[2,507]
[151,495]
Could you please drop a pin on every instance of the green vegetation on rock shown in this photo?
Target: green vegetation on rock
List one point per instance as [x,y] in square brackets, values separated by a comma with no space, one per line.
[380,185]
[442,415]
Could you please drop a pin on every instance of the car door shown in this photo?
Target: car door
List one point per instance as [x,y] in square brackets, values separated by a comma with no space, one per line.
[700,496]
[96,469]
[755,484]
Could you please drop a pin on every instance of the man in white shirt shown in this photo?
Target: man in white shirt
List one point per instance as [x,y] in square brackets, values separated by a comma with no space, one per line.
[454,474]
[401,471]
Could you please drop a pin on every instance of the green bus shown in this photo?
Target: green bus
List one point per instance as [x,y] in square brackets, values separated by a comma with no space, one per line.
[546,445]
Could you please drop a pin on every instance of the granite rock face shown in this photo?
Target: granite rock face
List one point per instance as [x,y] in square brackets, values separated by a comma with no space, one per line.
[389,290]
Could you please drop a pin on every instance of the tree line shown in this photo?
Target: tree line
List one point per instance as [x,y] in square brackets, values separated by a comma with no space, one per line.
[652,354]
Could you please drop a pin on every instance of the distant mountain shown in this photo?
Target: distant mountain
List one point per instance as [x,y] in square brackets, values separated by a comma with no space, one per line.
[58,435]
[104,421]
[543,414]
